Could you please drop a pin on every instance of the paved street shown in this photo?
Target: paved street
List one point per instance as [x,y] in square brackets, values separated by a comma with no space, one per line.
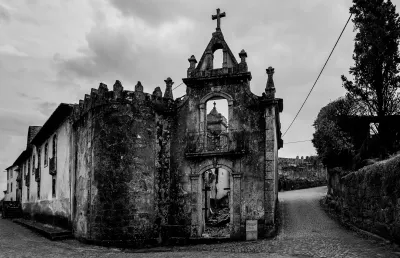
[306,232]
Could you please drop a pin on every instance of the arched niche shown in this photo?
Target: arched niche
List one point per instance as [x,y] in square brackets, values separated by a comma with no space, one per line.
[215,95]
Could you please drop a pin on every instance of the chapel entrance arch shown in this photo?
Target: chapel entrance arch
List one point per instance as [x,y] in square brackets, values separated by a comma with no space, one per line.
[204,224]
[216,202]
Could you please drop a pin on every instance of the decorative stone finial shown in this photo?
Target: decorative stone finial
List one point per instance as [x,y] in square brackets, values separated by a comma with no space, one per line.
[139,87]
[192,60]
[270,88]
[118,86]
[218,17]
[242,56]
[168,90]
[270,71]
[157,92]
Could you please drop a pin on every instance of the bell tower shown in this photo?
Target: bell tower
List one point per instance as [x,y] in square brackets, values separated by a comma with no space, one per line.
[245,146]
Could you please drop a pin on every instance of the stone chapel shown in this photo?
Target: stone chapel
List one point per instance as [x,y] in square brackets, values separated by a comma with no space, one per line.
[129,166]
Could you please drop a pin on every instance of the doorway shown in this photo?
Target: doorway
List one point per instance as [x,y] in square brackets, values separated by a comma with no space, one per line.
[216,203]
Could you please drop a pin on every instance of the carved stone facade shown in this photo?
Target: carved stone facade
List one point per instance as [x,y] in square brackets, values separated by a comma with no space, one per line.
[136,160]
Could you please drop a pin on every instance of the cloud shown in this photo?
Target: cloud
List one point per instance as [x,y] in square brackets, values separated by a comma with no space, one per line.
[156,13]
[5,15]
[128,52]
[47,108]
[15,123]
[11,50]
[26,96]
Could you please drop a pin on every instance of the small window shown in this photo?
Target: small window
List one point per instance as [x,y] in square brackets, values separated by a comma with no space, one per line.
[54,154]
[38,190]
[33,164]
[373,129]
[11,173]
[27,193]
[46,153]
[39,158]
[29,166]
[53,186]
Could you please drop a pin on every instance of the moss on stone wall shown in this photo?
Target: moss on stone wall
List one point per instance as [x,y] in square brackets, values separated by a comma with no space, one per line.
[369,197]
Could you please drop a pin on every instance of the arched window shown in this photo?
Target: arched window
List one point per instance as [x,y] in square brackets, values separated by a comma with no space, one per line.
[218,59]
[217,125]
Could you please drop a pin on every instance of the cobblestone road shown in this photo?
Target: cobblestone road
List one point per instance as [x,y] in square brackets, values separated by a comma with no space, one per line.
[306,232]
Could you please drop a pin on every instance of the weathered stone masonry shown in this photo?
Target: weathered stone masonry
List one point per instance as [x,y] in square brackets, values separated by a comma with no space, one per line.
[368,198]
[122,176]
[135,160]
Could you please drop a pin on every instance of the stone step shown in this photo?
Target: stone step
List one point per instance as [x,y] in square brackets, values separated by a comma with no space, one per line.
[50,233]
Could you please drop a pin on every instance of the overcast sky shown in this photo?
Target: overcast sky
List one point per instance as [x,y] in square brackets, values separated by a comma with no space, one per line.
[54,51]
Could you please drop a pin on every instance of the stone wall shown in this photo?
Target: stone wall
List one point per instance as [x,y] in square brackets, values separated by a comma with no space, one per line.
[369,198]
[122,175]
[300,173]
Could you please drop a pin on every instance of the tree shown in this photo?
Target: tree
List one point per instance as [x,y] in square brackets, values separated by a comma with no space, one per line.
[376,56]
[333,145]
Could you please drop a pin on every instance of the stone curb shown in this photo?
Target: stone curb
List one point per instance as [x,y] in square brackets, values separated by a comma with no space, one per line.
[335,216]
[58,235]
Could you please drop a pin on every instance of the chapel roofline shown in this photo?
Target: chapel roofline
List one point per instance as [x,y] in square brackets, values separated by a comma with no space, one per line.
[205,67]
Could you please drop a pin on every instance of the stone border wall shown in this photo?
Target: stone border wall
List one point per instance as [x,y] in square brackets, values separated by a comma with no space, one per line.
[368,198]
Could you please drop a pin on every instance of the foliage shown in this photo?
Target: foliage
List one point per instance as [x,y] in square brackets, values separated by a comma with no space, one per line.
[376,56]
[333,145]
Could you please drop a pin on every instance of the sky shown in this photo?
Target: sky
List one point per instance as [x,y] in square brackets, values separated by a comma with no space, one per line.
[54,51]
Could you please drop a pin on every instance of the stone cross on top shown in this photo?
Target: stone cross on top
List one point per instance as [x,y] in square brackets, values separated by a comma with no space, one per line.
[218,16]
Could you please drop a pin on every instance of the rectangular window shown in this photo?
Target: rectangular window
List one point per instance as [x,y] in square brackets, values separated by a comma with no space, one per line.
[33,164]
[39,159]
[54,146]
[27,193]
[46,153]
[11,173]
[38,190]
[53,186]
[373,129]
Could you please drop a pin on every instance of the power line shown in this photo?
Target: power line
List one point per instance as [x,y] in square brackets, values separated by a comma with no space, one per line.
[177,86]
[297,141]
[318,76]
